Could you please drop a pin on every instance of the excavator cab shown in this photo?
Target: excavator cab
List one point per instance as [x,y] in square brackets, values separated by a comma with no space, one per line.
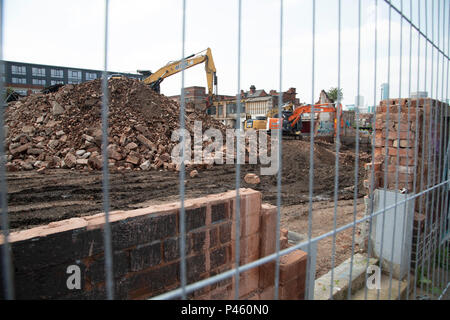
[289,128]
[155,85]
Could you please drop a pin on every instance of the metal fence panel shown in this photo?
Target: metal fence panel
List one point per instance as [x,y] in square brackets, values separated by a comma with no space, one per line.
[387,210]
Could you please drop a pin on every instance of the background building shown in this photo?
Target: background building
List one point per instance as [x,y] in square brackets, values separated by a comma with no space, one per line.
[324,98]
[254,103]
[419,94]
[197,96]
[27,78]
[359,101]
[349,107]
[384,91]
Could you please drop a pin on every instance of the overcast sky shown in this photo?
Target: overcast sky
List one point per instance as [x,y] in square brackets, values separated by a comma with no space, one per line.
[147,34]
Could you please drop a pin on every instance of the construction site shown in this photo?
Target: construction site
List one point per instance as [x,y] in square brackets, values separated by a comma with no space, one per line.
[349,185]
[54,167]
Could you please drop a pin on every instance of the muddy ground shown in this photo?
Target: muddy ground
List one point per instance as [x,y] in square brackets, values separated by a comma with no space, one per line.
[295,218]
[40,198]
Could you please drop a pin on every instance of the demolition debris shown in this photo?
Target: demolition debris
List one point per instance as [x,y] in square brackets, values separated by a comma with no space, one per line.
[63,129]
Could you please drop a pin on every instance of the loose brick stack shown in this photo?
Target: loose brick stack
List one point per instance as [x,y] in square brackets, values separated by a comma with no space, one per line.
[146,256]
[292,266]
[397,137]
[426,125]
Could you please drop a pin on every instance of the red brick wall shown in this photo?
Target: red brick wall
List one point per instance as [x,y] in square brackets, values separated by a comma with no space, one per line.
[146,260]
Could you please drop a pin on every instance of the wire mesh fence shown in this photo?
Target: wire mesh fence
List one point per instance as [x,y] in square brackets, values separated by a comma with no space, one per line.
[405,226]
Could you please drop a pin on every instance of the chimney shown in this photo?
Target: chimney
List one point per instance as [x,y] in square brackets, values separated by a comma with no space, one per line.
[252,89]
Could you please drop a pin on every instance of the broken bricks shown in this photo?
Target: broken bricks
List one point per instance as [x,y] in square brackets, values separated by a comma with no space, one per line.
[65,127]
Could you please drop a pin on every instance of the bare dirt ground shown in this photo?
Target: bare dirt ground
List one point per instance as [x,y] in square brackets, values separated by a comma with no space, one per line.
[39,198]
[295,218]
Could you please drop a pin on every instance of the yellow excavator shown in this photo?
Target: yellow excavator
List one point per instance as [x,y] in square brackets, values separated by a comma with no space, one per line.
[260,123]
[154,79]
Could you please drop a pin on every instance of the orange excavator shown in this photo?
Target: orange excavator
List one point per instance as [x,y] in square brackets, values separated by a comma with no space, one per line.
[292,120]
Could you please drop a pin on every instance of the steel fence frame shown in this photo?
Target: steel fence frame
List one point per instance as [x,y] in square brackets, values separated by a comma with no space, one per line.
[431,241]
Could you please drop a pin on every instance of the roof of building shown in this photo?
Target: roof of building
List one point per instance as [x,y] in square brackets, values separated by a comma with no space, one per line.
[257,93]
[263,98]
[327,96]
[69,67]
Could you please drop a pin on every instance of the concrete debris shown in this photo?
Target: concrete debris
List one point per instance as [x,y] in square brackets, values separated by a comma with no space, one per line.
[145,165]
[252,178]
[193,173]
[56,108]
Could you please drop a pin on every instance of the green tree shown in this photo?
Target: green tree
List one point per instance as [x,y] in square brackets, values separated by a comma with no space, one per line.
[7,94]
[334,93]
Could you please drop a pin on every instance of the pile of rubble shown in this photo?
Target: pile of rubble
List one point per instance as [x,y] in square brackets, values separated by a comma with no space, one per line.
[63,129]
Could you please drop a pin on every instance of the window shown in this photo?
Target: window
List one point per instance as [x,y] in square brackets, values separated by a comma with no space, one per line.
[57,73]
[2,68]
[91,76]
[22,92]
[212,110]
[18,70]
[74,75]
[39,82]
[19,80]
[231,108]
[38,72]
[53,82]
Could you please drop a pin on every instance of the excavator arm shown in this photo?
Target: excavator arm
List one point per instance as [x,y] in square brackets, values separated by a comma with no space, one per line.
[290,119]
[154,79]
[295,117]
